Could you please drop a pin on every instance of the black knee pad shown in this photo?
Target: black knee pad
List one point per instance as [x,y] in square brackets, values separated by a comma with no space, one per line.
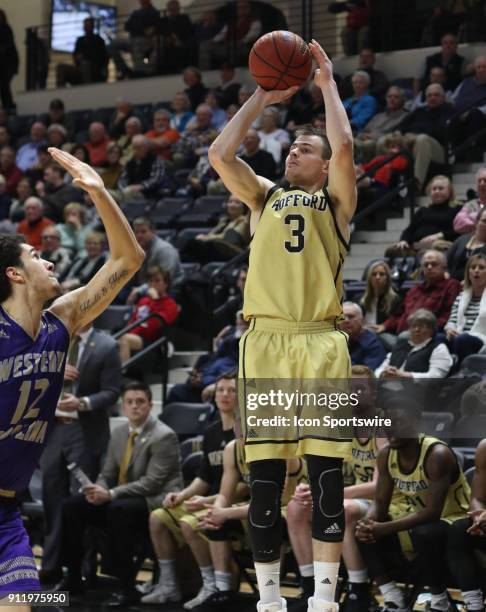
[326,483]
[265,506]
[267,479]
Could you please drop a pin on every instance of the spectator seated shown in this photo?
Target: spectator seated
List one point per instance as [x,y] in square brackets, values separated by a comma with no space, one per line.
[230,236]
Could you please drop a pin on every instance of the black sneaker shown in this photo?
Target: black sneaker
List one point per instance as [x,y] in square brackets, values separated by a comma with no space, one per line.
[307,585]
[392,607]
[357,598]
[218,601]
[75,586]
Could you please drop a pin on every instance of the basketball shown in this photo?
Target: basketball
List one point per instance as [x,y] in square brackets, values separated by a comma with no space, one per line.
[279,60]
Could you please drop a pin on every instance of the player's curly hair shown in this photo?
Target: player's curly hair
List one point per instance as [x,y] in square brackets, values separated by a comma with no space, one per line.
[10,253]
[309,130]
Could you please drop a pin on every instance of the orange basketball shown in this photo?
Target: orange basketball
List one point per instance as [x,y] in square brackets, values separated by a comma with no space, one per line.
[279,60]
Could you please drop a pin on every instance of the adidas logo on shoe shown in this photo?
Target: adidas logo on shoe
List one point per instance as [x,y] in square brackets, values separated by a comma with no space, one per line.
[334,528]
[270,583]
[326,581]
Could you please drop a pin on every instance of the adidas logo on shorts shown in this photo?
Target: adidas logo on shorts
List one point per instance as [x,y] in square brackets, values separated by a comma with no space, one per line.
[270,583]
[326,581]
[334,528]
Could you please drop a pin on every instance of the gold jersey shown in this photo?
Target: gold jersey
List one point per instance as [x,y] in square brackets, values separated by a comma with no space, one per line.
[414,486]
[296,259]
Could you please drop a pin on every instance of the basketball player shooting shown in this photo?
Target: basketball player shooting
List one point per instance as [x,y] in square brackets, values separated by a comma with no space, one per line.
[293,301]
[33,348]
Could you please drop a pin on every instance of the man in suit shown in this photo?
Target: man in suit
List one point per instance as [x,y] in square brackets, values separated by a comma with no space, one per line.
[92,385]
[142,465]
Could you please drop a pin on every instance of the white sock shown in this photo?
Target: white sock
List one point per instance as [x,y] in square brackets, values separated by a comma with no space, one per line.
[392,594]
[222,580]
[474,600]
[207,574]
[268,577]
[439,601]
[167,576]
[306,571]
[325,576]
[358,576]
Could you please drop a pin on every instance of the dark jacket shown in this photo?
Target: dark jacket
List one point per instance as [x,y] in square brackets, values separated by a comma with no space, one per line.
[458,255]
[100,381]
[431,220]
[9,58]
[453,70]
[425,120]
[93,49]
[262,163]
[419,361]
[367,350]
[142,20]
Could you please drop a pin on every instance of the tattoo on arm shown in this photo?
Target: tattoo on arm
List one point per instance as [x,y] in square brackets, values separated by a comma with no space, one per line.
[113,283]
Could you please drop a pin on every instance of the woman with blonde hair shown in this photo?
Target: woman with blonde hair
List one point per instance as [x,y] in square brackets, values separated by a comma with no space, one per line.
[466,327]
[379,298]
[432,226]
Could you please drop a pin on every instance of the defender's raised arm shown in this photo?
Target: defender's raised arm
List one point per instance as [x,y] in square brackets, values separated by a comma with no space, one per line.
[79,307]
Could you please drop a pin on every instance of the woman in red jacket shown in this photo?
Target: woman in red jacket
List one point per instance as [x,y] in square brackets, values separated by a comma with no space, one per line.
[157,301]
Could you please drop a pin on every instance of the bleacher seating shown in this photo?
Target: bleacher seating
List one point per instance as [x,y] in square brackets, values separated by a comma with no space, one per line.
[113,318]
[187,420]
[190,466]
[204,212]
[437,424]
[167,210]
[137,208]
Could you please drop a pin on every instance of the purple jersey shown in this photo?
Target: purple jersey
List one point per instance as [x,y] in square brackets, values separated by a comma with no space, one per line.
[31,380]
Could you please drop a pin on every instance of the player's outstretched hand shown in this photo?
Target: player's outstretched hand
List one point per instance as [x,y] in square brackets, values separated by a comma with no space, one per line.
[323,74]
[276,96]
[83,175]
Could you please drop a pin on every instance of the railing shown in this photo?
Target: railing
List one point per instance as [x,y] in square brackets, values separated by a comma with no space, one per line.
[160,342]
[392,26]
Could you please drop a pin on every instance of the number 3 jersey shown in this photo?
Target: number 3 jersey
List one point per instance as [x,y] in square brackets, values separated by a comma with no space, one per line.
[296,259]
[31,380]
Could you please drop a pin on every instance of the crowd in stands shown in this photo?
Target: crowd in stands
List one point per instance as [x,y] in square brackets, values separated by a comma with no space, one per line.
[156,166]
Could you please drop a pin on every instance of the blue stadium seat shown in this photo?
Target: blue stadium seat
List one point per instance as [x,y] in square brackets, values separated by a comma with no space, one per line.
[205,211]
[353,288]
[186,419]
[187,234]
[190,268]
[167,234]
[113,318]
[190,466]
[189,446]
[81,119]
[103,115]
[437,424]
[167,210]
[137,208]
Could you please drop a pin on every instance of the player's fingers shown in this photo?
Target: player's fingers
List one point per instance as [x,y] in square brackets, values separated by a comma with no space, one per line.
[62,156]
[318,45]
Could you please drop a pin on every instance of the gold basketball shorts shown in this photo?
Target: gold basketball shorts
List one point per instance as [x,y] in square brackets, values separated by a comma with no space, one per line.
[299,356]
